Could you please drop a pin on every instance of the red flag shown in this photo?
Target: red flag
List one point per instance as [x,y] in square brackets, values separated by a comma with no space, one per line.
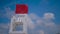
[21,9]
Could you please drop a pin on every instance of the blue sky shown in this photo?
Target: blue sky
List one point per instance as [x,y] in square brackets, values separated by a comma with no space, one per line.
[38,7]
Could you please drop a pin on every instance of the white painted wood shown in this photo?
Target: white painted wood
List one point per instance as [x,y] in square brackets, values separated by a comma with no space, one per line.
[16,20]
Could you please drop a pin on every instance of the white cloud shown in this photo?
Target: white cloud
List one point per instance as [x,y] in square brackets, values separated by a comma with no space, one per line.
[33,16]
[4,28]
[45,23]
[9,12]
[4,25]
[31,25]
[41,22]
[41,32]
[49,16]
[49,24]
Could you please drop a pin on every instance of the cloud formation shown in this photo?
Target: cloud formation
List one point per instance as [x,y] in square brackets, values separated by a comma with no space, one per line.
[40,25]
[9,12]
[46,24]
[4,28]
[49,16]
